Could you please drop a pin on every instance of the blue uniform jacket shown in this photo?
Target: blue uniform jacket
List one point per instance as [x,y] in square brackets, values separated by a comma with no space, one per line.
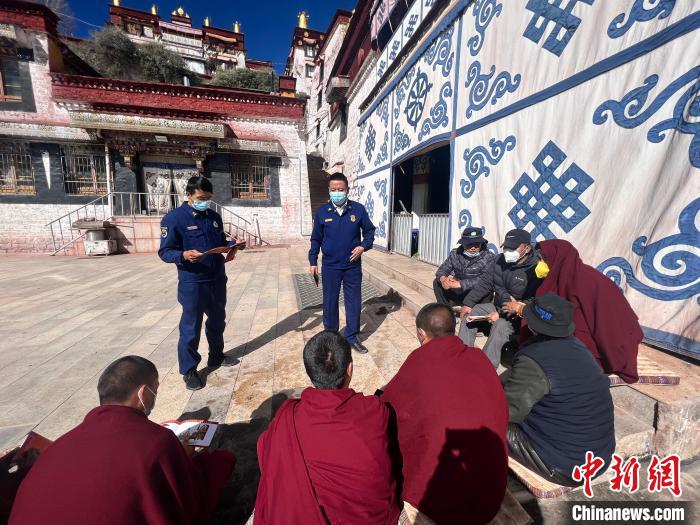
[186,229]
[337,236]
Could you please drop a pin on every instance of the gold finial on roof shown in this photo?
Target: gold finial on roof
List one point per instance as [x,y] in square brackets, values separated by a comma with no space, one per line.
[154,9]
[236,27]
[303,20]
[207,21]
[116,3]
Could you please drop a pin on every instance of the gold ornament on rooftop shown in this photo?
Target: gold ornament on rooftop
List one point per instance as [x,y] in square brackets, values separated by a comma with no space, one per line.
[207,21]
[154,9]
[303,20]
[116,3]
[236,27]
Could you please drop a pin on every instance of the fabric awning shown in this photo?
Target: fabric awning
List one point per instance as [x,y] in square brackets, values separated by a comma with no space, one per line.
[381,10]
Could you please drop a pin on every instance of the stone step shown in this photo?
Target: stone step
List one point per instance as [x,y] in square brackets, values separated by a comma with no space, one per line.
[633,436]
[415,275]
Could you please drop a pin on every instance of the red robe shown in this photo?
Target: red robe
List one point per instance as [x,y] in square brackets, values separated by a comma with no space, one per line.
[117,467]
[605,321]
[452,416]
[324,459]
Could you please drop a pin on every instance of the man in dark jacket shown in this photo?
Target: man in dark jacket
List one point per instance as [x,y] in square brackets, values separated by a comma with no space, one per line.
[514,283]
[559,398]
[462,269]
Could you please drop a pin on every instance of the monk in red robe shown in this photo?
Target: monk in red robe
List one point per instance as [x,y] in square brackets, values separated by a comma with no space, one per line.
[605,321]
[324,458]
[452,417]
[119,468]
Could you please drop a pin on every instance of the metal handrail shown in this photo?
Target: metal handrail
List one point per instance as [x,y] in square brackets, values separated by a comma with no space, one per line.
[113,204]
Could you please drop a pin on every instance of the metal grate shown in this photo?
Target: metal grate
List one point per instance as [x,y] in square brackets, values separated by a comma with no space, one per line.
[250,177]
[84,170]
[16,170]
[310,296]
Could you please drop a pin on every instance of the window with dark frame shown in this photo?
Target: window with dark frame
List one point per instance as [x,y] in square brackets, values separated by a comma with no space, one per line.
[309,51]
[250,177]
[309,71]
[320,73]
[10,82]
[318,130]
[16,170]
[343,123]
[320,100]
[84,169]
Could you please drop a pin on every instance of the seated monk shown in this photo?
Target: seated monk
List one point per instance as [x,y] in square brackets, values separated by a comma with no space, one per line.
[451,418]
[324,458]
[605,321]
[559,398]
[118,467]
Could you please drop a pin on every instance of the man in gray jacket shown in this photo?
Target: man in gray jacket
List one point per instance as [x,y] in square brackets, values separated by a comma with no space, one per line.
[463,268]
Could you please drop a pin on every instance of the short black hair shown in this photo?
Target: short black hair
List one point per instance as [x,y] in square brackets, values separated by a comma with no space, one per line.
[198,182]
[326,359]
[121,378]
[436,320]
[338,176]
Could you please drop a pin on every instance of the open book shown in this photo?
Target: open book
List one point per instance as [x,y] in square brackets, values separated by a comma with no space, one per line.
[196,433]
[225,249]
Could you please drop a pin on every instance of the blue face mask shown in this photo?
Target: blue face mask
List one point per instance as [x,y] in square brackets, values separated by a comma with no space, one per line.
[338,197]
[201,205]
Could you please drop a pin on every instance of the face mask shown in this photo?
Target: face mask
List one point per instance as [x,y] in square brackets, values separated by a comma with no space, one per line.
[511,256]
[147,411]
[201,205]
[541,270]
[338,197]
[471,255]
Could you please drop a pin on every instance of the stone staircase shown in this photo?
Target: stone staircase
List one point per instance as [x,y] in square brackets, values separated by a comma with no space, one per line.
[318,182]
[658,419]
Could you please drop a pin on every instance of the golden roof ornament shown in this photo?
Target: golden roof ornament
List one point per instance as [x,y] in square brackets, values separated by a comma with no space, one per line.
[154,9]
[304,20]
[207,21]
[116,3]
[236,27]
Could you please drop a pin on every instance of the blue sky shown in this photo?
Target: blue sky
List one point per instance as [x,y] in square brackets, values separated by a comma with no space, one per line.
[267,25]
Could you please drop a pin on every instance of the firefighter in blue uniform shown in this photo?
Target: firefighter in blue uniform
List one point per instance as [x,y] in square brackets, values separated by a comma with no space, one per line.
[186,233]
[343,232]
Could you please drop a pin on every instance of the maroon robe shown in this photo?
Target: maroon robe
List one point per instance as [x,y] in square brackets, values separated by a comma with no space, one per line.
[452,416]
[324,459]
[605,321]
[117,467]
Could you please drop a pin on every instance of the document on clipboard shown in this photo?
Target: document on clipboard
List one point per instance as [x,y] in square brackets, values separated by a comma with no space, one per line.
[225,249]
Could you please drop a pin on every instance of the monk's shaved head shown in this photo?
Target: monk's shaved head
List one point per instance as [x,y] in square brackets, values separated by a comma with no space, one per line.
[123,377]
[326,358]
[436,320]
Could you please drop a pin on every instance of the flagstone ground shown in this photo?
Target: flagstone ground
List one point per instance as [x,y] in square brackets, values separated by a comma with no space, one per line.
[64,319]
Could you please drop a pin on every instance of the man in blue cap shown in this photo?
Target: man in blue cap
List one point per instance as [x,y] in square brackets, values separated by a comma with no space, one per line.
[343,232]
[187,233]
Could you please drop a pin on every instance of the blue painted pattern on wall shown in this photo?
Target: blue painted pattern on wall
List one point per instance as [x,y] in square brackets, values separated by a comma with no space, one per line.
[628,111]
[370,142]
[557,14]
[380,186]
[641,12]
[671,265]
[481,93]
[383,155]
[415,104]
[478,159]
[438,113]
[484,12]
[550,198]
[411,25]
[440,53]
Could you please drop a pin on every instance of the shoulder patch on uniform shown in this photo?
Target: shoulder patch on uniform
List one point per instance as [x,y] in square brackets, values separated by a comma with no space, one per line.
[164,231]
[216,224]
[353,218]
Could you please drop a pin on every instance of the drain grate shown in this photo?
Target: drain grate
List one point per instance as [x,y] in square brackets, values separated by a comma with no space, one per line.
[310,296]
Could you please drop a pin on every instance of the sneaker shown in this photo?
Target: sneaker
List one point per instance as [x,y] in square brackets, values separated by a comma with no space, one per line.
[192,380]
[224,361]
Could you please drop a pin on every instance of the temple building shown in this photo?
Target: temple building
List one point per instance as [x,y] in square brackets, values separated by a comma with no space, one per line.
[204,49]
[301,62]
[74,145]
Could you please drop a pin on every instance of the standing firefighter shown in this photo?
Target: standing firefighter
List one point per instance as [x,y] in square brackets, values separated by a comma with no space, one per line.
[343,232]
[187,233]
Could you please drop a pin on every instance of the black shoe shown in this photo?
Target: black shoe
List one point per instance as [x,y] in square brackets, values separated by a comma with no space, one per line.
[192,380]
[224,361]
[359,348]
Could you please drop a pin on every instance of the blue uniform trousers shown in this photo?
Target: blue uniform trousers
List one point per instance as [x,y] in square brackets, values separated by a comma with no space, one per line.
[351,279]
[197,299]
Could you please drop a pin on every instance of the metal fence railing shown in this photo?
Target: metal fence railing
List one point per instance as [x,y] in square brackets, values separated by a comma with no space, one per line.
[401,230]
[65,233]
[433,238]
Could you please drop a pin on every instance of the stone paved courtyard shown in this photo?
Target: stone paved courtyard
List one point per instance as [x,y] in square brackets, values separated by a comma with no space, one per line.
[64,319]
